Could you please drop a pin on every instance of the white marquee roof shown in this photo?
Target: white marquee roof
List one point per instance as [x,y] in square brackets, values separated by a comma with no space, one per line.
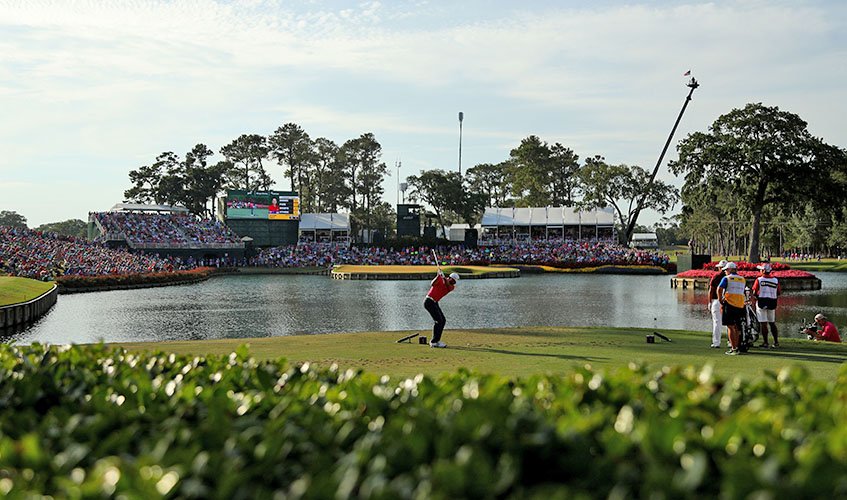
[643,236]
[547,216]
[334,222]
[140,207]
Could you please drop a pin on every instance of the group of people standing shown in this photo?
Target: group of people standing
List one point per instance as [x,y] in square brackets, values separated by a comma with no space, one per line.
[727,302]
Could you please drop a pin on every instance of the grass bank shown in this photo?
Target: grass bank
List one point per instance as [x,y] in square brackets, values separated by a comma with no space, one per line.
[14,290]
[827,265]
[519,352]
[403,269]
[601,269]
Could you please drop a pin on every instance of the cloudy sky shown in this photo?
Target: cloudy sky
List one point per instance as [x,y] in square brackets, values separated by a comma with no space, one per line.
[90,90]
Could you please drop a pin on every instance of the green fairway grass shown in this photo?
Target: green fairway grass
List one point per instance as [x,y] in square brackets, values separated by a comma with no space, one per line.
[14,290]
[828,265]
[520,351]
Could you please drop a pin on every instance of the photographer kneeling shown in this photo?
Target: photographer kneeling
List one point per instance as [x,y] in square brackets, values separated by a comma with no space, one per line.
[825,331]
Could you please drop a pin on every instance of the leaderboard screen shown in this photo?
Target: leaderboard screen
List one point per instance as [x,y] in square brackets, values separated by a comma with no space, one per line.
[275,205]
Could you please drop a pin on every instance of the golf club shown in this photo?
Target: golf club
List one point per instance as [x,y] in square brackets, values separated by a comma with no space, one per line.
[435,256]
[408,338]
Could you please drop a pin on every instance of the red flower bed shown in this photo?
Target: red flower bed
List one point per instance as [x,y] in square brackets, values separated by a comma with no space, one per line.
[789,273]
[106,280]
[743,265]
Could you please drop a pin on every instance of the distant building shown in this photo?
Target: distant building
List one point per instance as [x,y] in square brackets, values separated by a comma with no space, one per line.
[408,220]
[324,228]
[644,240]
[456,232]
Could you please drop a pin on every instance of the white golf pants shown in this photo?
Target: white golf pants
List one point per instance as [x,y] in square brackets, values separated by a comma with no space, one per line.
[715,307]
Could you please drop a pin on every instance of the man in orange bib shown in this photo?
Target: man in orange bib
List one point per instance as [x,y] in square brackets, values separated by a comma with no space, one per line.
[441,285]
[731,297]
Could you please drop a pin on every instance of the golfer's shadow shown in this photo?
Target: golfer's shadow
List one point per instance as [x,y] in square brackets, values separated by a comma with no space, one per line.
[801,356]
[536,354]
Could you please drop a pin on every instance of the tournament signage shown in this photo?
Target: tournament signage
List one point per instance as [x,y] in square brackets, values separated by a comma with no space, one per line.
[274,205]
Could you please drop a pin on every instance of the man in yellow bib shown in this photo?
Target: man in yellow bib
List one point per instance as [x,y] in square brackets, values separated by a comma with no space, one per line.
[731,297]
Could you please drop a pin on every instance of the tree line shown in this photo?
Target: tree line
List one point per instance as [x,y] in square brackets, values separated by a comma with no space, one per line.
[757,182]
[330,177]
[540,174]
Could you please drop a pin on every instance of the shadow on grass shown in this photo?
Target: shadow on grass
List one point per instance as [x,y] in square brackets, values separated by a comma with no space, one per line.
[801,356]
[536,354]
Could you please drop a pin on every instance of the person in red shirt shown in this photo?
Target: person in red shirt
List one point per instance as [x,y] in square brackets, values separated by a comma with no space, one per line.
[826,330]
[441,285]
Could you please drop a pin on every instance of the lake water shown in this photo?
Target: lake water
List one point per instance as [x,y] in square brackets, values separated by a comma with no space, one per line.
[272,305]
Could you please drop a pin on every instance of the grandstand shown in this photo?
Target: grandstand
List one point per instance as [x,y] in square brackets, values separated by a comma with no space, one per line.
[44,255]
[165,230]
[501,225]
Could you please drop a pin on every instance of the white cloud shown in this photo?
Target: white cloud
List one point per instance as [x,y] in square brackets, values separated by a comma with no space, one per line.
[108,85]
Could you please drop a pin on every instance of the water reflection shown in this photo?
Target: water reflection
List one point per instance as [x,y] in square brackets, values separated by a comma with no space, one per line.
[260,306]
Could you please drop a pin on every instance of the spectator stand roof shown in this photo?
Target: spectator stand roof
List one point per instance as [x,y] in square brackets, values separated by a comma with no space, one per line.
[140,207]
[644,236]
[323,222]
[547,216]
[644,240]
[458,225]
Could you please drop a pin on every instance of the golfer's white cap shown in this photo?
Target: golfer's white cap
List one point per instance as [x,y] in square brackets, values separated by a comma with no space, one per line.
[720,264]
[819,316]
[455,276]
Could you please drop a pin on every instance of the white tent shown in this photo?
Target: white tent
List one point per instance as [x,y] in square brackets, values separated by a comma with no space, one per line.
[543,223]
[324,228]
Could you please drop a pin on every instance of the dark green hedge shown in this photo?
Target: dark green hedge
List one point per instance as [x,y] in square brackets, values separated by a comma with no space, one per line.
[90,422]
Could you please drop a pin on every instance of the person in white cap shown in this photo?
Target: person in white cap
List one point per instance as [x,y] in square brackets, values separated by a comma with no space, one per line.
[441,285]
[714,306]
[766,289]
[731,297]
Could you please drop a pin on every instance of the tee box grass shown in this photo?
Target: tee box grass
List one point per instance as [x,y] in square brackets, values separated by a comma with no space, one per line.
[518,352]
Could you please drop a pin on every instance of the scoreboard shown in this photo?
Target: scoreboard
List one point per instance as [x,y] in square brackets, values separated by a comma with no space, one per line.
[288,208]
[268,205]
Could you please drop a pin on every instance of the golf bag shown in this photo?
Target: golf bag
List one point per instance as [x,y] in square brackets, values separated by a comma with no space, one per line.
[749,332]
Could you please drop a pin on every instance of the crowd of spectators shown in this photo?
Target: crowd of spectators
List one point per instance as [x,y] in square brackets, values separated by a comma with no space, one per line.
[559,254]
[164,230]
[44,255]
[802,257]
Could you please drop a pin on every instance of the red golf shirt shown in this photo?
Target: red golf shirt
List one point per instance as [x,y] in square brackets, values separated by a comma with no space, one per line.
[440,287]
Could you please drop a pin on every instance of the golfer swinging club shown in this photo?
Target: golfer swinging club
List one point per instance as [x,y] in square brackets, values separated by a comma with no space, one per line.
[439,287]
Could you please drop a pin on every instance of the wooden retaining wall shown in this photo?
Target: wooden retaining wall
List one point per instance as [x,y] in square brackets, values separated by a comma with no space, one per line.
[26,312]
[512,273]
[787,284]
[105,288]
